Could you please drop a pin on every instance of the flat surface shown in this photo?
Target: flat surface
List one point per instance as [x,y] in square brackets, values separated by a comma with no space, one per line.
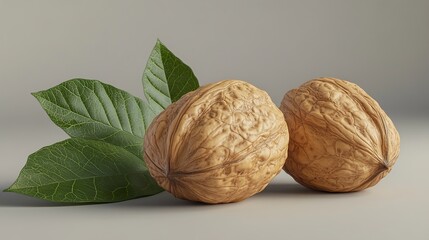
[396,208]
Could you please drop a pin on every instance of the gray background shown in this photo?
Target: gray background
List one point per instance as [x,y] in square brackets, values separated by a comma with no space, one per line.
[383,46]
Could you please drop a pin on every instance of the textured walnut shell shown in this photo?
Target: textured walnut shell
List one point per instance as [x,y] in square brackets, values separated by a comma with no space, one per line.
[221,143]
[340,138]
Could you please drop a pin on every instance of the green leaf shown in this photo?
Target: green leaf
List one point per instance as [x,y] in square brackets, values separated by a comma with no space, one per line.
[102,161]
[81,171]
[166,78]
[91,109]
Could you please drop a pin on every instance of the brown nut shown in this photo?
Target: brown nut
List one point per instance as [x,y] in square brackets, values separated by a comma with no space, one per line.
[221,143]
[340,138]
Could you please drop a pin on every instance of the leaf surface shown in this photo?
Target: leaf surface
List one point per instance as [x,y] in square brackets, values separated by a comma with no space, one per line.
[91,109]
[166,78]
[82,171]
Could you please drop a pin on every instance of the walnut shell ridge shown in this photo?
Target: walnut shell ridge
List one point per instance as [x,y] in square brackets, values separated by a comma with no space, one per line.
[340,138]
[223,142]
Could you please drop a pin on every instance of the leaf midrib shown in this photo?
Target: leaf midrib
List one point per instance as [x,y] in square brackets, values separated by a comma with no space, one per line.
[85,178]
[97,121]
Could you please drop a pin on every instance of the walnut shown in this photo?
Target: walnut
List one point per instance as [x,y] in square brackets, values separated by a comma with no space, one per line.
[221,143]
[340,138]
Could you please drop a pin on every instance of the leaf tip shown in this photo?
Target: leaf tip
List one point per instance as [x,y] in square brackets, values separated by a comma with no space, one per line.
[38,96]
[9,189]
[161,45]
[35,94]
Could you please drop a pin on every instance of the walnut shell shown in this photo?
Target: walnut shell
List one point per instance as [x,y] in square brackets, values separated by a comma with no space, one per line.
[221,143]
[340,138]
